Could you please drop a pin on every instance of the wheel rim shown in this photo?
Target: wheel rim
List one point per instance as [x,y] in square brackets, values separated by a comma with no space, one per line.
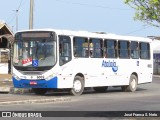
[77,86]
[133,83]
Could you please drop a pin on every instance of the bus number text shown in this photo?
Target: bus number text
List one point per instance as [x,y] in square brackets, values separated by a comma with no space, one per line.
[40,77]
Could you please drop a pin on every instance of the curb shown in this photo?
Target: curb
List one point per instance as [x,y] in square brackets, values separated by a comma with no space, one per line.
[19,90]
[31,100]
[35,101]
[157,76]
[4,89]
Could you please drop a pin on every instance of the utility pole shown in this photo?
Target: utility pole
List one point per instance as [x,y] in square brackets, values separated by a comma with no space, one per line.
[31,14]
[17,20]
[16,11]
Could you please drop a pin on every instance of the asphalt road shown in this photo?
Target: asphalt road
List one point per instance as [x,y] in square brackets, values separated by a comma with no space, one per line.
[146,98]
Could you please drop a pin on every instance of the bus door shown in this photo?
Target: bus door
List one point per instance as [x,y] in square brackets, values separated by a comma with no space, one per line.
[4,57]
[145,64]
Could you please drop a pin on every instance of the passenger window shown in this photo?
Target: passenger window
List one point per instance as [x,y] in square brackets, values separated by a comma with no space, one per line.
[144,50]
[64,49]
[134,50]
[81,48]
[123,49]
[110,48]
[95,46]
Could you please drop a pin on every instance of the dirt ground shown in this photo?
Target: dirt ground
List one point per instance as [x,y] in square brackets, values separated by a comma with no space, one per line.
[9,76]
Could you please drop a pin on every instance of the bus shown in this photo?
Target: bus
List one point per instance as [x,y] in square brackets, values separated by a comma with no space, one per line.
[50,59]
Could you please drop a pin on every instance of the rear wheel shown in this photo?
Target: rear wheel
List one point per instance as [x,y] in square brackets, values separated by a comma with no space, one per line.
[100,89]
[78,86]
[132,84]
[39,91]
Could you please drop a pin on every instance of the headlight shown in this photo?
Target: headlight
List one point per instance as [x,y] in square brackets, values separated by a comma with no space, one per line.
[16,77]
[50,77]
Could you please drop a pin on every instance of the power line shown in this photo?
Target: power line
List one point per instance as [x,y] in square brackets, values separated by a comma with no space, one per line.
[147,26]
[20,5]
[99,6]
[10,21]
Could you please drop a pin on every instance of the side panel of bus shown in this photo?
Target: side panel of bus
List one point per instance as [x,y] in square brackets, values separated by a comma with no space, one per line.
[106,71]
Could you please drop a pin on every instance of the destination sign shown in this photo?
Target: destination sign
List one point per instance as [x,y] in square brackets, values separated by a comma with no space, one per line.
[35,35]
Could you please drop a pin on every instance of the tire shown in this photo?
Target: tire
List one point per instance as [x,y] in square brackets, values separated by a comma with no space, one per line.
[100,89]
[39,91]
[132,84]
[78,86]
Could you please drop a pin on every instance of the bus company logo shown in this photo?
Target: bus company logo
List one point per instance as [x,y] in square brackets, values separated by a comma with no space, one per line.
[111,64]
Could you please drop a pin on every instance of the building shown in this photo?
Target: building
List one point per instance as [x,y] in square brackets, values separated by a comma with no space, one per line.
[6,40]
[156,55]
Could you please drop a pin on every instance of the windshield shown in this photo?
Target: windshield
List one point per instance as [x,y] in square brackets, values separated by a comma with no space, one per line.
[34,52]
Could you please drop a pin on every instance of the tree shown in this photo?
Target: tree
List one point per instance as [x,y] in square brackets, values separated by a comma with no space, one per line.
[146,10]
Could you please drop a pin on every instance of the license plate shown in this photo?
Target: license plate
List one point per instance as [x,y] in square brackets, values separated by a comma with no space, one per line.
[33,83]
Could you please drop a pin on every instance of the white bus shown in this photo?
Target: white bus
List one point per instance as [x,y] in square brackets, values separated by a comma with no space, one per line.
[72,60]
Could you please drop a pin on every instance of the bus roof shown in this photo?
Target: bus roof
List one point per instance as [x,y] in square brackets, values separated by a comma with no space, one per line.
[102,35]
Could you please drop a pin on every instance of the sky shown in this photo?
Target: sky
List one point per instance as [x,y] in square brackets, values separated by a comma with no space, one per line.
[110,16]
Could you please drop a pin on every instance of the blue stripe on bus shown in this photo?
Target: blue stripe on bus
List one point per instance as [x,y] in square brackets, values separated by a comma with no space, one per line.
[24,83]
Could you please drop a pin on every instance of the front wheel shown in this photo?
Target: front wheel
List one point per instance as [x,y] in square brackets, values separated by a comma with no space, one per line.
[132,84]
[78,86]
